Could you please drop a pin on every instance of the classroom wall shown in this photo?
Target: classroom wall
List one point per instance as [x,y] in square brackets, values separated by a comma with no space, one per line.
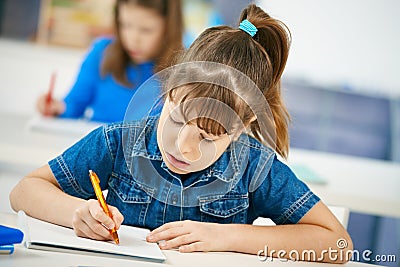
[351,43]
[25,70]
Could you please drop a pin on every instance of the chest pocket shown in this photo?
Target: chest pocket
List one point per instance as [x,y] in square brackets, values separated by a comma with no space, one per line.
[131,198]
[231,208]
[129,191]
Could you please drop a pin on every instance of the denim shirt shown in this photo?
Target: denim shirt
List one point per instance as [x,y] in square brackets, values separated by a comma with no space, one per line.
[246,182]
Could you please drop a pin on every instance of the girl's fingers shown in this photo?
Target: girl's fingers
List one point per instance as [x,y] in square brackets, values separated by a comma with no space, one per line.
[177,241]
[41,104]
[167,226]
[193,247]
[117,216]
[97,212]
[167,234]
[90,220]
[58,107]
[98,228]
[82,229]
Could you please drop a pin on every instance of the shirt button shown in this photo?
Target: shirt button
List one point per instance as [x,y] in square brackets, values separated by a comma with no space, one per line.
[174,199]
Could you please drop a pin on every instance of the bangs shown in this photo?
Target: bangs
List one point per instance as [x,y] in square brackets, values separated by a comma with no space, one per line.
[213,108]
[211,126]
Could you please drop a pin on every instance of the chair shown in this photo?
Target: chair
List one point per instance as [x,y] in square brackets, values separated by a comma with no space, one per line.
[341,213]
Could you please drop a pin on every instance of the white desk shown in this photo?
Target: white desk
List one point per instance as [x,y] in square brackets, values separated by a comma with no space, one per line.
[23,150]
[23,257]
[364,185]
[361,184]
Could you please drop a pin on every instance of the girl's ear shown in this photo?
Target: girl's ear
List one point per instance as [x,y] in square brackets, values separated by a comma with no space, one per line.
[236,135]
[252,120]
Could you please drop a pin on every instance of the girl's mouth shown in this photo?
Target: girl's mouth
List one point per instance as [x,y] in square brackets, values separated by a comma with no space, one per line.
[134,53]
[176,162]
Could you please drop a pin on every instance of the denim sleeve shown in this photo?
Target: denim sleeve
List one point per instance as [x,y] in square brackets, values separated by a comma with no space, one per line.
[71,168]
[84,89]
[282,197]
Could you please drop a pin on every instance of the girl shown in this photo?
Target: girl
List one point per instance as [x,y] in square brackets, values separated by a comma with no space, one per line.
[148,33]
[192,173]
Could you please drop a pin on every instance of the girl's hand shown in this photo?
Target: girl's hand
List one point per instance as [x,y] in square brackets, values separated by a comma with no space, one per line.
[89,220]
[190,236]
[54,108]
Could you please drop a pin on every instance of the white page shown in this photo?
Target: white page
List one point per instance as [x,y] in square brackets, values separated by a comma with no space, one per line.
[62,126]
[46,236]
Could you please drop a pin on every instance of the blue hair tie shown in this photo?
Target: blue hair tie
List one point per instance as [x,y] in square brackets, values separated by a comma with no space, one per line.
[248,27]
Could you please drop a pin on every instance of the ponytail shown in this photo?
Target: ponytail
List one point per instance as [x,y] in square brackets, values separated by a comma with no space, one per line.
[260,53]
[273,39]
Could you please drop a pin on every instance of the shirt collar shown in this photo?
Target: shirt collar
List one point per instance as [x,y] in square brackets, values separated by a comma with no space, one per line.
[226,168]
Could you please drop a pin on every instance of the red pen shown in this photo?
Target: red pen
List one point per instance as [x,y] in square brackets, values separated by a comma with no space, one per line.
[49,96]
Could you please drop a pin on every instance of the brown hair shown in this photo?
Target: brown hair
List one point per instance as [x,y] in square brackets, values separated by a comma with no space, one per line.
[262,58]
[116,59]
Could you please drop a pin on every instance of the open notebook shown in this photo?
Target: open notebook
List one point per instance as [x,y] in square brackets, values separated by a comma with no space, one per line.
[46,236]
[62,126]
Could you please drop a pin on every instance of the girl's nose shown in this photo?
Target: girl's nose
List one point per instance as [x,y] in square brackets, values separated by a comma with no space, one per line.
[135,37]
[132,37]
[188,142]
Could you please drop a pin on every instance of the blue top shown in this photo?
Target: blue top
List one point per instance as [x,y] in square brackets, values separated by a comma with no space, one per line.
[107,98]
[246,182]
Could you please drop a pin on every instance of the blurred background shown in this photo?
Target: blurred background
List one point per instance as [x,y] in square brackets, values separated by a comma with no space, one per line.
[341,84]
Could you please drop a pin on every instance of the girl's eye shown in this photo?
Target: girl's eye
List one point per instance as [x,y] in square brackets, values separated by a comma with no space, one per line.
[146,30]
[208,140]
[175,122]
[124,25]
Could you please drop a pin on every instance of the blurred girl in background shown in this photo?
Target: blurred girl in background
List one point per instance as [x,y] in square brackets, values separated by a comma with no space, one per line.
[148,34]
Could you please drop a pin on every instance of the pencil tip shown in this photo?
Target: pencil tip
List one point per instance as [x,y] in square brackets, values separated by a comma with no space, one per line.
[115,237]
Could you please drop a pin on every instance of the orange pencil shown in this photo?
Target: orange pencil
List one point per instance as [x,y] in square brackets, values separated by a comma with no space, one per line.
[49,96]
[100,197]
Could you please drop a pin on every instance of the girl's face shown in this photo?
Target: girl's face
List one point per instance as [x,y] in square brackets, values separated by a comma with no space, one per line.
[184,147]
[142,31]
